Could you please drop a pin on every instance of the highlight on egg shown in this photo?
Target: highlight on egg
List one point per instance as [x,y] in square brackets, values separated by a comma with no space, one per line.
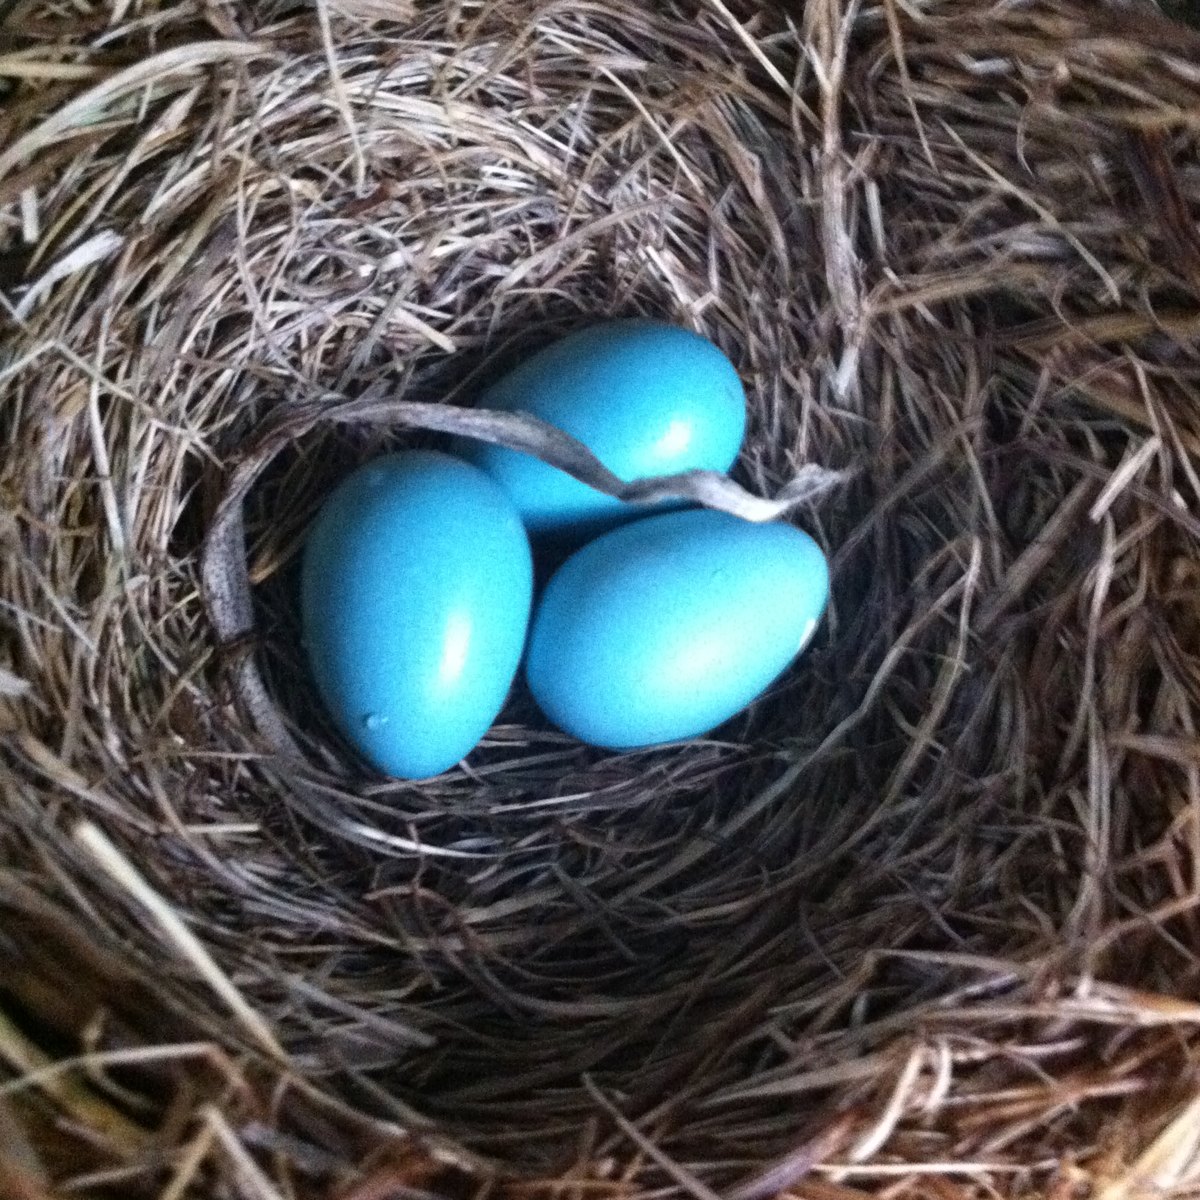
[647,398]
[663,629]
[416,589]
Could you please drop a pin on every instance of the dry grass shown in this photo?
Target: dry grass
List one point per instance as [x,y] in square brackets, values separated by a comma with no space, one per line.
[922,924]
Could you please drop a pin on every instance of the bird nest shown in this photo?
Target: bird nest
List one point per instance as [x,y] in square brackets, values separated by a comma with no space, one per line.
[923,922]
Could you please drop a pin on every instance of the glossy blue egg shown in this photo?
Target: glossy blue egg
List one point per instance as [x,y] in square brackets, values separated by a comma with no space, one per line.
[645,397]
[665,628]
[415,597]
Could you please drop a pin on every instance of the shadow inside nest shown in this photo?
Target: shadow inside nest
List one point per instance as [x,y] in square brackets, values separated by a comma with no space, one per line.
[580,909]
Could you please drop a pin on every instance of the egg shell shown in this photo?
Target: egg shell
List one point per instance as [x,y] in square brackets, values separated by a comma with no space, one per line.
[645,397]
[665,628]
[415,597]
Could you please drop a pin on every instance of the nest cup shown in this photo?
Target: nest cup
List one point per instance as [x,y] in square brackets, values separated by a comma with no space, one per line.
[921,922]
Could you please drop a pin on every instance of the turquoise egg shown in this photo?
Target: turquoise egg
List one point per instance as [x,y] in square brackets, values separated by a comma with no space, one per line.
[645,397]
[415,596]
[665,628]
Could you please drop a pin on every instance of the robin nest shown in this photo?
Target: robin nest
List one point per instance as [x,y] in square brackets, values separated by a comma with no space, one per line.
[922,922]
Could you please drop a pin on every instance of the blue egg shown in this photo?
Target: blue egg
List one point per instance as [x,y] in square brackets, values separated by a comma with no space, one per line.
[415,598]
[646,398]
[665,628]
